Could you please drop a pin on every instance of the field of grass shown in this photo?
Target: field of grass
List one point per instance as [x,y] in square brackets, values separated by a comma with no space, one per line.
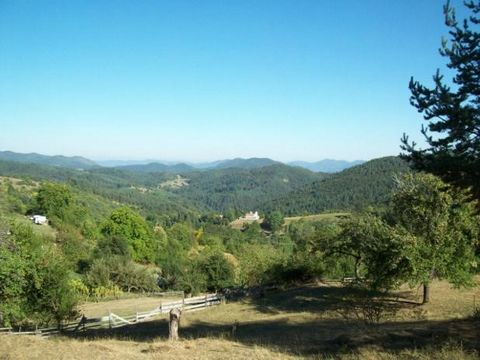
[306,322]
[318,217]
[123,307]
[239,223]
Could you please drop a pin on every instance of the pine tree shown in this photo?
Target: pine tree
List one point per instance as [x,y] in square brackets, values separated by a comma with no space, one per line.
[452,112]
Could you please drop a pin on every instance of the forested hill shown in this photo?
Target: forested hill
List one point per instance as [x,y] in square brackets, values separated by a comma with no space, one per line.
[156,167]
[123,187]
[368,184]
[73,162]
[186,194]
[326,165]
[251,163]
[243,189]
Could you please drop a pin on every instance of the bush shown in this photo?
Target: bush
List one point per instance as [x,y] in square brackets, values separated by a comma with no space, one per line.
[219,272]
[122,272]
[104,292]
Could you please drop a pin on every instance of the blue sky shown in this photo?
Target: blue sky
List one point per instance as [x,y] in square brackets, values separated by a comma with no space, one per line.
[205,80]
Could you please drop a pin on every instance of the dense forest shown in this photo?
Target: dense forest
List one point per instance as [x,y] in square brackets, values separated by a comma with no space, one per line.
[364,185]
[291,190]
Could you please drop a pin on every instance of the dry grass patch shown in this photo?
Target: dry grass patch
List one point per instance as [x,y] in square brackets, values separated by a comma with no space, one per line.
[297,323]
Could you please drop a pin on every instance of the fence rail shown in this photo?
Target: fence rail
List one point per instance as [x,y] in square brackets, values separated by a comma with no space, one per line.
[113,320]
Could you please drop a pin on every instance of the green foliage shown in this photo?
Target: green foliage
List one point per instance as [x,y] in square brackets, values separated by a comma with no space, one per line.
[243,189]
[121,272]
[444,228]
[106,292]
[377,250]
[12,283]
[127,224]
[258,263]
[452,112]
[273,221]
[218,271]
[54,200]
[51,294]
[74,246]
[183,234]
[432,233]
[352,189]
[112,246]
[34,280]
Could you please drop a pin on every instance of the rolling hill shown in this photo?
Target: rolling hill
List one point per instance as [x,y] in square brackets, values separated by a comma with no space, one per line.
[72,162]
[326,165]
[157,168]
[368,184]
[243,188]
[251,163]
[242,185]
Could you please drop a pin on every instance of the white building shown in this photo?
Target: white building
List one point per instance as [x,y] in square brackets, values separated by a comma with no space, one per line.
[39,219]
[252,216]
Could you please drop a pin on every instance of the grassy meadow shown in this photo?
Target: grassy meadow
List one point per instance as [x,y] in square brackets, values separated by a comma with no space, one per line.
[335,216]
[305,322]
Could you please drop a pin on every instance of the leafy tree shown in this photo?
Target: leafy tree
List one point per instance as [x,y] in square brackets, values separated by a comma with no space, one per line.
[12,283]
[126,223]
[444,229]
[218,271]
[375,247]
[183,233]
[34,280]
[273,221]
[112,246]
[452,113]
[51,294]
[122,272]
[257,262]
[53,200]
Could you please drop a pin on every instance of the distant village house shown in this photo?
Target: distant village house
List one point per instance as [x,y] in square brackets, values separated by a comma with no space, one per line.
[39,219]
[252,216]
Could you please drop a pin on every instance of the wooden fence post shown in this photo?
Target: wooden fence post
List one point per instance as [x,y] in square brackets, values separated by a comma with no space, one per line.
[174,323]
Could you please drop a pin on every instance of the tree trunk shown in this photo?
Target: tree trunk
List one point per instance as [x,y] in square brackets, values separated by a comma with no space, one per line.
[426,293]
[357,269]
[174,323]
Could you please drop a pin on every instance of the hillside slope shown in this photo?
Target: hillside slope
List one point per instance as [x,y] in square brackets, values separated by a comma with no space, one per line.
[156,167]
[243,189]
[122,187]
[326,165]
[73,162]
[251,163]
[354,188]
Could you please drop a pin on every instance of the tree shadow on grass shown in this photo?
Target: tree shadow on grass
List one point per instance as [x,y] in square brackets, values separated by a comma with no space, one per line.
[315,334]
[328,337]
[318,300]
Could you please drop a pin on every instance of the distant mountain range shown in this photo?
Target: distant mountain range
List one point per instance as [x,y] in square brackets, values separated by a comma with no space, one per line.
[71,162]
[237,185]
[157,166]
[327,165]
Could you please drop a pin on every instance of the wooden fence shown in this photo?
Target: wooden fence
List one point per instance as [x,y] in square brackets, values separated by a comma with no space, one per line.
[114,321]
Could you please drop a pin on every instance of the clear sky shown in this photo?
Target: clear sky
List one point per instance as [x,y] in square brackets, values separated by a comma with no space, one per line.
[205,80]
